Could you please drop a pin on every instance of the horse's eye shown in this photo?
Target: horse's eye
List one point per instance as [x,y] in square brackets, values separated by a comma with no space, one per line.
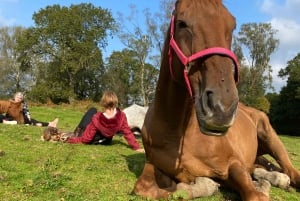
[181,24]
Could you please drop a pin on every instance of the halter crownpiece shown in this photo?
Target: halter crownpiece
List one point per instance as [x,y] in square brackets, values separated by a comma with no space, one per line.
[203,53]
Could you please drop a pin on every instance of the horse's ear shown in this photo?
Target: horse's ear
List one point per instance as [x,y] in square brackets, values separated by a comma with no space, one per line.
[175,5]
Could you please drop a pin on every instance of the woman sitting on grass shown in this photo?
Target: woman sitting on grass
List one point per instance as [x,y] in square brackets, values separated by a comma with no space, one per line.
[19,97]
[100,127]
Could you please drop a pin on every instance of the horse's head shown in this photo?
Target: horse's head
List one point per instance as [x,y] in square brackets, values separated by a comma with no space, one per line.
[15,110]
[200,42]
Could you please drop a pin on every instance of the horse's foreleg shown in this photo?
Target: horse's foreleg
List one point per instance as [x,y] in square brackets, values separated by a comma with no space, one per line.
[269,143]
[154,184]
[262,161]
[275,178]
[239,179]
[202,187]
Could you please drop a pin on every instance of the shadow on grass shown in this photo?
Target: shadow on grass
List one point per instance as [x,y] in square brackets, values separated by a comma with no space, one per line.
[135,163]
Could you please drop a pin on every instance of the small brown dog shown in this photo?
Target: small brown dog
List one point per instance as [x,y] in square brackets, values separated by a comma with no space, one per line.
[53,134]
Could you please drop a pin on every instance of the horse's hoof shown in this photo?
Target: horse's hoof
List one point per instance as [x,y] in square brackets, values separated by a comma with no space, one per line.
[277,179]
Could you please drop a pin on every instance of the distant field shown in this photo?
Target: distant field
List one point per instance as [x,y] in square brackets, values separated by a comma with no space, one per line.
[42,171]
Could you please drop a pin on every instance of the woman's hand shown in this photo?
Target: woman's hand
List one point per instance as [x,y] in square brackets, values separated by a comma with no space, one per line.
[141,150]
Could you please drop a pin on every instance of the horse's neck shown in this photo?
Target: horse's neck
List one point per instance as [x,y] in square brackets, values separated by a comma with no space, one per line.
[172,100]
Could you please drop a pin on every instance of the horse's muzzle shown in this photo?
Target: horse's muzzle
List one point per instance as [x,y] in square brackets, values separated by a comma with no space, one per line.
[216,121]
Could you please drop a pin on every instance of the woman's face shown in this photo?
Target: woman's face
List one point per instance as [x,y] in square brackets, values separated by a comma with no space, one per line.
[18,98]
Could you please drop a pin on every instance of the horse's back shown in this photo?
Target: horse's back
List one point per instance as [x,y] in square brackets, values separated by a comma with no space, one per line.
[13,109]
[135,115]
[4,105]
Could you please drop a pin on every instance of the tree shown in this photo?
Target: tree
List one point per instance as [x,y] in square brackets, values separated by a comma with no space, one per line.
[13,77]
[147,42]
[158,23]
[292,72]
[140,44]
[68,40]
[260,42]
[122,76]
[285,112]
[118,77]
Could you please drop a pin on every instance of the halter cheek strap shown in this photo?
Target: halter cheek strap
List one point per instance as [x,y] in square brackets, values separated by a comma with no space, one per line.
[187,60]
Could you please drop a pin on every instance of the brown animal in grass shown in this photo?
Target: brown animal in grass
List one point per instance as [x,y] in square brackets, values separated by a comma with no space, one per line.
[13,109]
[196,126]
[135,116]
[55,135]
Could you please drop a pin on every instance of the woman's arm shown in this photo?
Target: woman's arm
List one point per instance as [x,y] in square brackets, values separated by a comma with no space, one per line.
[128,135]
[87,136]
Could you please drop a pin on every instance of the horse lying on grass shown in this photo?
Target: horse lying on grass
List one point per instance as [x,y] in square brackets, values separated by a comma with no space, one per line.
[135,117]
[196,126]
[13,109]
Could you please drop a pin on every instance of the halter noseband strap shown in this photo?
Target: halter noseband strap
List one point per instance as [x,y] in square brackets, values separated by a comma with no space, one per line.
[206,52]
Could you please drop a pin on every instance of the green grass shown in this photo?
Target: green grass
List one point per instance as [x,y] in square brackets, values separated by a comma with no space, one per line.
[31,169]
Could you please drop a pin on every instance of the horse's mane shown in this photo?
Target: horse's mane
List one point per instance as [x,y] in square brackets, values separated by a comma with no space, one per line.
[165,56]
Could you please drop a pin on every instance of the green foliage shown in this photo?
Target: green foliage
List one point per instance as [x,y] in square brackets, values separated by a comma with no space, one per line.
[123,75]
[119,75]
[31,169]
[255,75]
[68,41]
[285,108]
[140,43]
[249,94]
[181,194]
[39,94]
[13,77]
[292,71]
[262,104]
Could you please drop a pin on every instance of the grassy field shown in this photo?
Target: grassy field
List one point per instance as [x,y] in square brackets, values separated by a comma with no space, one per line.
[42,171]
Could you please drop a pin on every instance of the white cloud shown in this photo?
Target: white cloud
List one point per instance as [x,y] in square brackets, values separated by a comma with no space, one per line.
[6,22]
[288,8]
[285,18]
[288,34]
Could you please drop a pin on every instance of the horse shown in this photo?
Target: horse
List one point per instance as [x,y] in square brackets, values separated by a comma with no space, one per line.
[13,109]
[135,115]
[196,127]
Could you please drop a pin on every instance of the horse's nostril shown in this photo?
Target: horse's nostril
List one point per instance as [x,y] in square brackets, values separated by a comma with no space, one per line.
[210,103]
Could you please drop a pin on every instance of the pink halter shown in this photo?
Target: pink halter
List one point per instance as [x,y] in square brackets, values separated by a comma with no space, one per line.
[206,52]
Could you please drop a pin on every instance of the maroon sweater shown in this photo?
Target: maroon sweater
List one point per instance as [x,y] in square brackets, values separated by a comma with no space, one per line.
[108,128]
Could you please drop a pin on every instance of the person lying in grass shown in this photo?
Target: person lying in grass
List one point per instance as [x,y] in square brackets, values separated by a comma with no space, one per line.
[19,97]
[100,127]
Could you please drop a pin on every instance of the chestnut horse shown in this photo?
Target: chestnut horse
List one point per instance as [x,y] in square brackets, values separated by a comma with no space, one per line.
[13,109]
[196,126]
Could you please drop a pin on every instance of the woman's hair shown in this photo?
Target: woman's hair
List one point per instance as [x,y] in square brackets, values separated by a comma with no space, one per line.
[19,94]
[109,100]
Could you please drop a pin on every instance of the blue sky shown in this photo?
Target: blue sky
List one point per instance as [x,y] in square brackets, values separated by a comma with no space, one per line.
[282,14]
